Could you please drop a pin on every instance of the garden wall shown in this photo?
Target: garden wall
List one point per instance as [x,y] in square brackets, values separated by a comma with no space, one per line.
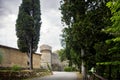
[12,56]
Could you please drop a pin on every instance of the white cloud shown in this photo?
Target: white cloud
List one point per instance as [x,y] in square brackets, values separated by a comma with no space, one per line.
[7,32]
[50,29]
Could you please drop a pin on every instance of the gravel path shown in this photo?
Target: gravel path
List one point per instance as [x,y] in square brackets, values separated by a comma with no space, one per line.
[60,76]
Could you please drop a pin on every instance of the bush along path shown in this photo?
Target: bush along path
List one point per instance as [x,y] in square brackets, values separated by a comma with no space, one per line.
[22,74]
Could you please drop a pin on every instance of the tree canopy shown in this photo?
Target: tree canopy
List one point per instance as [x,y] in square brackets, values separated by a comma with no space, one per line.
[28,27]
[85,20]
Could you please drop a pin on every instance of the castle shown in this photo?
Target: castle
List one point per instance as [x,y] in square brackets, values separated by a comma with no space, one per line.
[12,56]
[49,58]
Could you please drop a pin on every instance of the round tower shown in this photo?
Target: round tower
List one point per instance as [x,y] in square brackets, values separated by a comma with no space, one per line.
[46,52]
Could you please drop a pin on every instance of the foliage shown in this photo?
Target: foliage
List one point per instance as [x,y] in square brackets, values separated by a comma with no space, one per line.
[73,60]
[94,28]
[85,20]
[114,7]
[109,52]
[28,27]
[61,54]
[109,70]
[109,63]
[49,68]
[69,69]
[16,68]
[115,28]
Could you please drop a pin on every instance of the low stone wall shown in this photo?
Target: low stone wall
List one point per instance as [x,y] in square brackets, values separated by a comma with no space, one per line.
[12,56]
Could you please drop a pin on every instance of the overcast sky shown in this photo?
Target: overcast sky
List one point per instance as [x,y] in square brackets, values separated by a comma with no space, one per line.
[50,29]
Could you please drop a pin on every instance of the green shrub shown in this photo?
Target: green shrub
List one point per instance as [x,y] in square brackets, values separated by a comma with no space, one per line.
[49,68]
[16,68]
[69,69]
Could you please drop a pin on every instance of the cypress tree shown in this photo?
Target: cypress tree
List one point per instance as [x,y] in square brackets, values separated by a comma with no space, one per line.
[28,27]
[85,20]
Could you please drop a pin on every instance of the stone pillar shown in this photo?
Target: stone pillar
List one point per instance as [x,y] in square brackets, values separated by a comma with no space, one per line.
[46,52]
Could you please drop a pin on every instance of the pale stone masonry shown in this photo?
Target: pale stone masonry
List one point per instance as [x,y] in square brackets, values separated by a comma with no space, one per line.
[46,57]
[49,58]
[56,63]
[12,56]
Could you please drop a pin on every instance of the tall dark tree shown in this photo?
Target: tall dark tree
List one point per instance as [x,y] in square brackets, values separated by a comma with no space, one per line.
[85,20]
[28,27]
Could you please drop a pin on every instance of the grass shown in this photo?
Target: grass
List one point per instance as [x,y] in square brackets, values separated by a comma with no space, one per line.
[47,73]
[22,74]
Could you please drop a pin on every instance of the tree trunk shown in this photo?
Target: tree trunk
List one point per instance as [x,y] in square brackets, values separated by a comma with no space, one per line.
[30,58]
[83,69]
[109,78]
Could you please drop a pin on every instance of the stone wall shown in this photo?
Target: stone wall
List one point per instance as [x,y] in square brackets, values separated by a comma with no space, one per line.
[12,56]
[46,52]
[49,58]
[56,63]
